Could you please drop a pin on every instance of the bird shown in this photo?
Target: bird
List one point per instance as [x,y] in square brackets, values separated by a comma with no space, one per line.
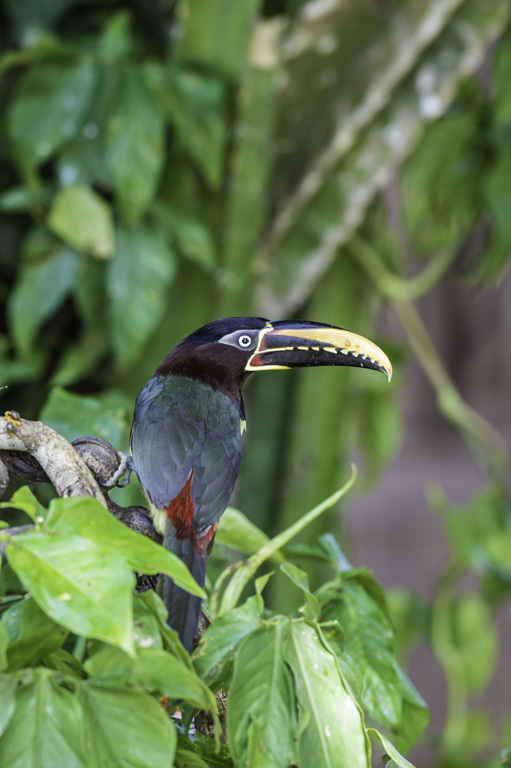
[188,422]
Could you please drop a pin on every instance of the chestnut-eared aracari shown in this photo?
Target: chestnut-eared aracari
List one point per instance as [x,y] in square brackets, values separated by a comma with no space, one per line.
[188,422]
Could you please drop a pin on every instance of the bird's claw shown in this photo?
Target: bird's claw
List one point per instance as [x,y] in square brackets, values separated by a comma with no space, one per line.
[13,420]
[123,471]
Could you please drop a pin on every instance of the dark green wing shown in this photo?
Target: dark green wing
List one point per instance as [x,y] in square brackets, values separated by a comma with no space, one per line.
[181,425]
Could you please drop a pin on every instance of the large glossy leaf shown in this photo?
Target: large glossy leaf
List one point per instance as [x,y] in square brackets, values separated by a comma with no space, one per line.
[126,728]
[159,671]
[83,220]
[83,585]
[47,275]
[134,149]
[331,729]
[369,641]
[87,518]
[33,633]
[45,729]
[154,670]
[261,707]
[215,655]
[48,108]
[136,281]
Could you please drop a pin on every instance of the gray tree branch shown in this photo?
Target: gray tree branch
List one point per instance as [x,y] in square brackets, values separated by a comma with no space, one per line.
[87,467]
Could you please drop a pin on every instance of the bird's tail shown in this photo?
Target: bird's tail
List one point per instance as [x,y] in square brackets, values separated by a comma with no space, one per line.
[183,608]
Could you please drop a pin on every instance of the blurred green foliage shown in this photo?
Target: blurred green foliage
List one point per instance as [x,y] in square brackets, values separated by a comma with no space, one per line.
[163,164]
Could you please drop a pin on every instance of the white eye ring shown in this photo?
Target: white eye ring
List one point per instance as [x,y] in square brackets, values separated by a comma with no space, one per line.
[244,340]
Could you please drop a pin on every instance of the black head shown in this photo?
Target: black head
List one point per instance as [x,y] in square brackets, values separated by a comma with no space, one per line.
[223,353]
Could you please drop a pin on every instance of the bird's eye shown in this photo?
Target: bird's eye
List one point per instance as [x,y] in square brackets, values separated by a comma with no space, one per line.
[244,340]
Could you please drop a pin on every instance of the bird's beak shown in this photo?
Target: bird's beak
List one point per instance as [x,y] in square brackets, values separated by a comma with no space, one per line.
[293,344]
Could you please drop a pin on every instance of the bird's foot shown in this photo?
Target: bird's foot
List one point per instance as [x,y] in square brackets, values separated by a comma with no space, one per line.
[123,471]
[13,420]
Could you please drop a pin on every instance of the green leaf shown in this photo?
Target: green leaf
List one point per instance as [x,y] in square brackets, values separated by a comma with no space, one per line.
[73,415]
[477,531]
[134,150]
[83,220]
[8,684]
[187,759]
[31,19]
[4,641]
[46,277]
[474,639]
[45,729]
[65,664]
[215,655]
[33,634]
[155,670]
[331,729]
[82,160]
[126,728]
[334,637]
[26,369]
[83,585]
[146,621]
[150,629]
[206,753]
[381,427]
[248,569]
[48,109]
[200,123]
[193,239]
[440,167]
[116,39]
[415,715]
[78,360]
[87,518]
[22,199]
[90,294]
[216,33]
[300,579]
[369,641]
[501,69]
[25,500]
[398,760]
[261,699]
[136,281]
[235,530]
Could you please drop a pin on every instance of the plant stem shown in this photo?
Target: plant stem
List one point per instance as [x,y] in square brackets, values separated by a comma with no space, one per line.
[248,569]
[484,440]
